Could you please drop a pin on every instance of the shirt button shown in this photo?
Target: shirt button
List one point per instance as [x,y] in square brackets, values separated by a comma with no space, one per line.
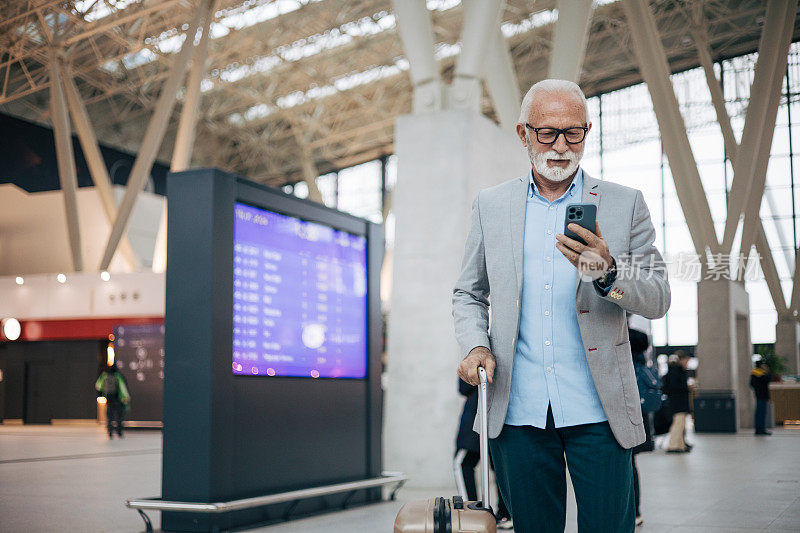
[549,368]
[547,343]
[547,313]
[547,259]
[552,207]
[547,287]
[549,232]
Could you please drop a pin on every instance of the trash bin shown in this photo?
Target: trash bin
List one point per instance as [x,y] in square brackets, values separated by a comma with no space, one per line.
[715,412]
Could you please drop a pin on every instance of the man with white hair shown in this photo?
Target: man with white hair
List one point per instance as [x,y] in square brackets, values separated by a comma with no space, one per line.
[562,386]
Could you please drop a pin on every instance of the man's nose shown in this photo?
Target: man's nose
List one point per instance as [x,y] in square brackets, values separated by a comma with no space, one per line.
[561,145]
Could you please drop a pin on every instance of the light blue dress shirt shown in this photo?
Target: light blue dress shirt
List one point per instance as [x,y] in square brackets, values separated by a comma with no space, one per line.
[550,366]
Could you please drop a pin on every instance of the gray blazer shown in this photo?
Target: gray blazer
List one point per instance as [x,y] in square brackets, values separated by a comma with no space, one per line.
[493,265]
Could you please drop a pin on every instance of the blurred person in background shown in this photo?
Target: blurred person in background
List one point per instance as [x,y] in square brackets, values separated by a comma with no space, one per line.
[676,387]
[759,381]
[114,388]
[468,453]
[649,385]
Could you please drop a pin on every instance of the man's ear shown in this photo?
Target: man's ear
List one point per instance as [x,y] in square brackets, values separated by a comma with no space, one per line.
[521,134]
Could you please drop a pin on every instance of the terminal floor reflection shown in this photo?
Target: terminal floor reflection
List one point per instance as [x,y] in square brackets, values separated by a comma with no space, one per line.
[72,478]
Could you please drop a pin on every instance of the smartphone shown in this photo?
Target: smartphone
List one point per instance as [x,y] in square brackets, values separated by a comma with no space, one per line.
[582,214]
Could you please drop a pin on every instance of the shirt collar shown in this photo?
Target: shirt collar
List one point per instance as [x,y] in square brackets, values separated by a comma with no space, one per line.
[577,181]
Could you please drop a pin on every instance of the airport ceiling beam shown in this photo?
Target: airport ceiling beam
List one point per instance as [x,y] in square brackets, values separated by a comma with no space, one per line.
[94,160]
[732,147]
[501,81]
[569,39]
[153,137]
[481,20]
[66,160]
[750,169]
[416,34]
[652,61]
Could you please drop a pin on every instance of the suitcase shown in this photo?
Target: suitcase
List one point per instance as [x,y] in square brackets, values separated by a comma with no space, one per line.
[442,515]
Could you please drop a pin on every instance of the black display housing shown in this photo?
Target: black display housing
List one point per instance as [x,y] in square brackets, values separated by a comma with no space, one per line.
[227,436]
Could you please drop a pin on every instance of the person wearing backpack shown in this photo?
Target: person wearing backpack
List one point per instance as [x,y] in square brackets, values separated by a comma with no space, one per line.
[114,388]
[649,385]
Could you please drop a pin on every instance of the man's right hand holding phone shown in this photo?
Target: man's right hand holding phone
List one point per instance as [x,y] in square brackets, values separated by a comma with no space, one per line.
[468,368]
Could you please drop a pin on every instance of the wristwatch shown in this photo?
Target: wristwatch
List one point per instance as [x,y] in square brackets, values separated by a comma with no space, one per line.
[608,279]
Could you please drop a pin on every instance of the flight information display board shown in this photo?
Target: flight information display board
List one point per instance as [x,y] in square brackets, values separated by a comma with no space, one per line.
[299,297]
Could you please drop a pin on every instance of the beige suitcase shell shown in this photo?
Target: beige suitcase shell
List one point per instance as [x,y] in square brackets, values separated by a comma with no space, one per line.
[426,516]
[417,517]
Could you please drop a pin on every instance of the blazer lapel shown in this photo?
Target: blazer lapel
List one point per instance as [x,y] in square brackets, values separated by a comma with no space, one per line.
[591,191]
[518,200]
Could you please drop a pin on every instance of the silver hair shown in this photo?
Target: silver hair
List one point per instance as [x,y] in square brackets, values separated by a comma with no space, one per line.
[550,86]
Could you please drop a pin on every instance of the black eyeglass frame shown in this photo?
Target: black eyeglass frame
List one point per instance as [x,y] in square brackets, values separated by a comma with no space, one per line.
[559,132]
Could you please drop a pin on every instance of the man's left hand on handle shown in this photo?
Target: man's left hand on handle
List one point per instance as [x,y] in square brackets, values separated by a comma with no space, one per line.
[591,259]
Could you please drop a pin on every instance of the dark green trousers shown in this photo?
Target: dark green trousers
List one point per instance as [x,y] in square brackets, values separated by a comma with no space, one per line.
[530,464]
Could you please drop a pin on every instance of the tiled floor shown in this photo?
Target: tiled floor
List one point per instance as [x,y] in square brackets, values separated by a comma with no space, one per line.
[71,478]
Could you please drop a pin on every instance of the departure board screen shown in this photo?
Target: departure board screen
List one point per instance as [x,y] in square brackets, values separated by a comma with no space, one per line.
[299,297]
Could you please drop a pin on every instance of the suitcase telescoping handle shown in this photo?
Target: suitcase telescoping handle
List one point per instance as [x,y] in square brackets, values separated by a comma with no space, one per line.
[484,438]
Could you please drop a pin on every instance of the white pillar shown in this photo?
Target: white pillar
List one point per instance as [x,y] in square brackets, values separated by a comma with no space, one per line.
[752,158]
[732,147]
[153,136]
[569,39]
[652,61]
[481,18]
[501,81]
[187,126]
[95,161]
[184,139]
[66,161]
[439,175]
[416,33]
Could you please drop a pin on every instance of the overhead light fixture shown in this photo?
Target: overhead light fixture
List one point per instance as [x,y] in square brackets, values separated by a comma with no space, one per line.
[61,278]
[19,280]
[105,276]
[110,354]
[11,329]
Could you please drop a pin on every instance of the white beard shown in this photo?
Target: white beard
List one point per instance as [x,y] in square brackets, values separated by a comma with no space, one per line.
[539,162]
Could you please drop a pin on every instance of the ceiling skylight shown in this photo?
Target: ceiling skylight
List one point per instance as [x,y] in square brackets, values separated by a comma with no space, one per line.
[92,10]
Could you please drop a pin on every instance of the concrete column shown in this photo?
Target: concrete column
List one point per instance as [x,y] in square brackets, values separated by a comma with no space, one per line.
[787,342]
[724,349]
[439,175]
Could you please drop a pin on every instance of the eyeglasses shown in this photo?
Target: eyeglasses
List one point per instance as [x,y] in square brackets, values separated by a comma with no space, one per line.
[574,135]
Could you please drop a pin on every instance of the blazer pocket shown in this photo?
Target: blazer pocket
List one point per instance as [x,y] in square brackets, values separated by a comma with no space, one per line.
[627,375]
